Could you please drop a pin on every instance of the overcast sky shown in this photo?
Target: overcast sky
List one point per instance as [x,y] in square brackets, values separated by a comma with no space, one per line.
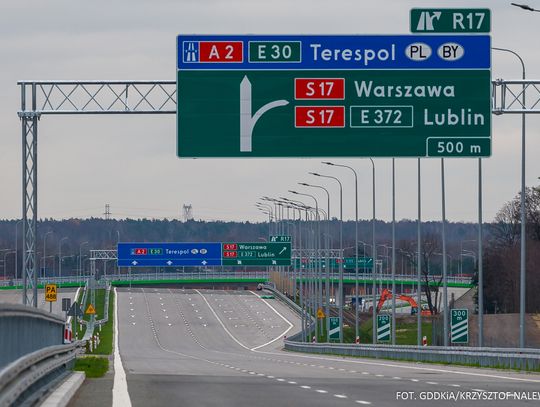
[130,162]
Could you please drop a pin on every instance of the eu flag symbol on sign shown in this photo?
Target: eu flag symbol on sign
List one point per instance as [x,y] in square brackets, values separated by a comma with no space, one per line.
[191,51]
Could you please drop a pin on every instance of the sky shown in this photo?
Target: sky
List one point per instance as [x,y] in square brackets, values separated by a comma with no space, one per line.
[130,162]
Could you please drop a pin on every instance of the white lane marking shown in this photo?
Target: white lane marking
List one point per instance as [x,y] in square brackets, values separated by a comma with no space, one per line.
[321,391]
[120,395]
[392,365]
[414,380]
[280,380]
[221,323]
[281,316]
[455,385]
[433,383]
[396,377]
[365,372]
[305,387]
[340,396]
[478,390]
[379,375]
[291,382]
[362,402]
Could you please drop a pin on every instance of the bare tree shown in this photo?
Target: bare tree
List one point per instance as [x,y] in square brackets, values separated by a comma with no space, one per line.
[429,246]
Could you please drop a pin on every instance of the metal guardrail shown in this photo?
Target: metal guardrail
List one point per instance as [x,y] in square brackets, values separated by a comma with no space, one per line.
[25,329]
[22,379]
[507,358]
[524,359]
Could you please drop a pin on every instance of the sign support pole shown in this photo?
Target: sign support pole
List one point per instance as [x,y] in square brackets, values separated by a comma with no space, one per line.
[445,276]
[419,261]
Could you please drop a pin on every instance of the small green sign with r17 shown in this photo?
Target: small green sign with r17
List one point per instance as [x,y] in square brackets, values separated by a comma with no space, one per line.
[450,20]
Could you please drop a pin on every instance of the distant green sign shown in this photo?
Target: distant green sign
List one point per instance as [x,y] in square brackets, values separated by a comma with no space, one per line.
[383,328]
[256,254]
[450,20]
[334,328]
[348,263]
[280,239]
[459,326]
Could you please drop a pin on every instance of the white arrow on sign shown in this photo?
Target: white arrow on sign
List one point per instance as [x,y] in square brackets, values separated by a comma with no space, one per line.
[169,262]
[247,122]
[282,250]
[134,262]
[204,262]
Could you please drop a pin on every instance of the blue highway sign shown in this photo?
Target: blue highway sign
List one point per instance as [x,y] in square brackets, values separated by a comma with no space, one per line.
[168,254]
[349,52]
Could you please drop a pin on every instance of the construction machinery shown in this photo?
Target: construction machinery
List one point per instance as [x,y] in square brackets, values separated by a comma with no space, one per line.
[387,295]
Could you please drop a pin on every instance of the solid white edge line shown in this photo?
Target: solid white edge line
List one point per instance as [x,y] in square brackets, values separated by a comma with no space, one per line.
[120,394]
[281,316]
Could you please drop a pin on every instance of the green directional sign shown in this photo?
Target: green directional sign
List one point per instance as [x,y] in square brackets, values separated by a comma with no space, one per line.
[256,254]
[334,328]
[459,326]
[336,96]
[385,113]
[450,20]
[383,328]
[348,263]
[280,239]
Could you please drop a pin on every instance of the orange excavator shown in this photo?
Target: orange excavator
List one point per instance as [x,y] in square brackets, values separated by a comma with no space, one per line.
[387,295]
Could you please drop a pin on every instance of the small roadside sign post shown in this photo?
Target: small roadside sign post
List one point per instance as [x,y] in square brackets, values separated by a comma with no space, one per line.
[90,310]
[459,326]
[51,291]
[66,305]
[334,328]
[320,313]
[383,328]
[75,311]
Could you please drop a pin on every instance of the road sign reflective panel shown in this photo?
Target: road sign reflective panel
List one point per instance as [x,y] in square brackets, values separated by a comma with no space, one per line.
[450,20]
[66,304]
[90,310]
[75,310]
[370,96]
[320,313]
[459,326]
[383,328]
[257,254]
[334,328]
[51,292]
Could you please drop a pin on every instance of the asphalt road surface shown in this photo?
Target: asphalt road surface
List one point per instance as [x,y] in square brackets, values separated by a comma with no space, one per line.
[224,348]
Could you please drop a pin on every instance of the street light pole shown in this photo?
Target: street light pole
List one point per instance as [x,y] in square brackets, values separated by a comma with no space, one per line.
[60,257]
[8,251]
[522,268]
[356,325]
[80,257]
[327,271]
[317,244]
[44,252]
[374,254]
[340,287]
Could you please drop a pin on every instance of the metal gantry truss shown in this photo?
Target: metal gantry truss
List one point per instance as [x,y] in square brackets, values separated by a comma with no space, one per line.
[73,97]
[507,96]
[145,97]
[104,254]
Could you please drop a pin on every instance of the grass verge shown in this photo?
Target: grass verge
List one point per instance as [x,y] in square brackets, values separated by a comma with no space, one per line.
[93,366]
[106,335]
[405,333]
